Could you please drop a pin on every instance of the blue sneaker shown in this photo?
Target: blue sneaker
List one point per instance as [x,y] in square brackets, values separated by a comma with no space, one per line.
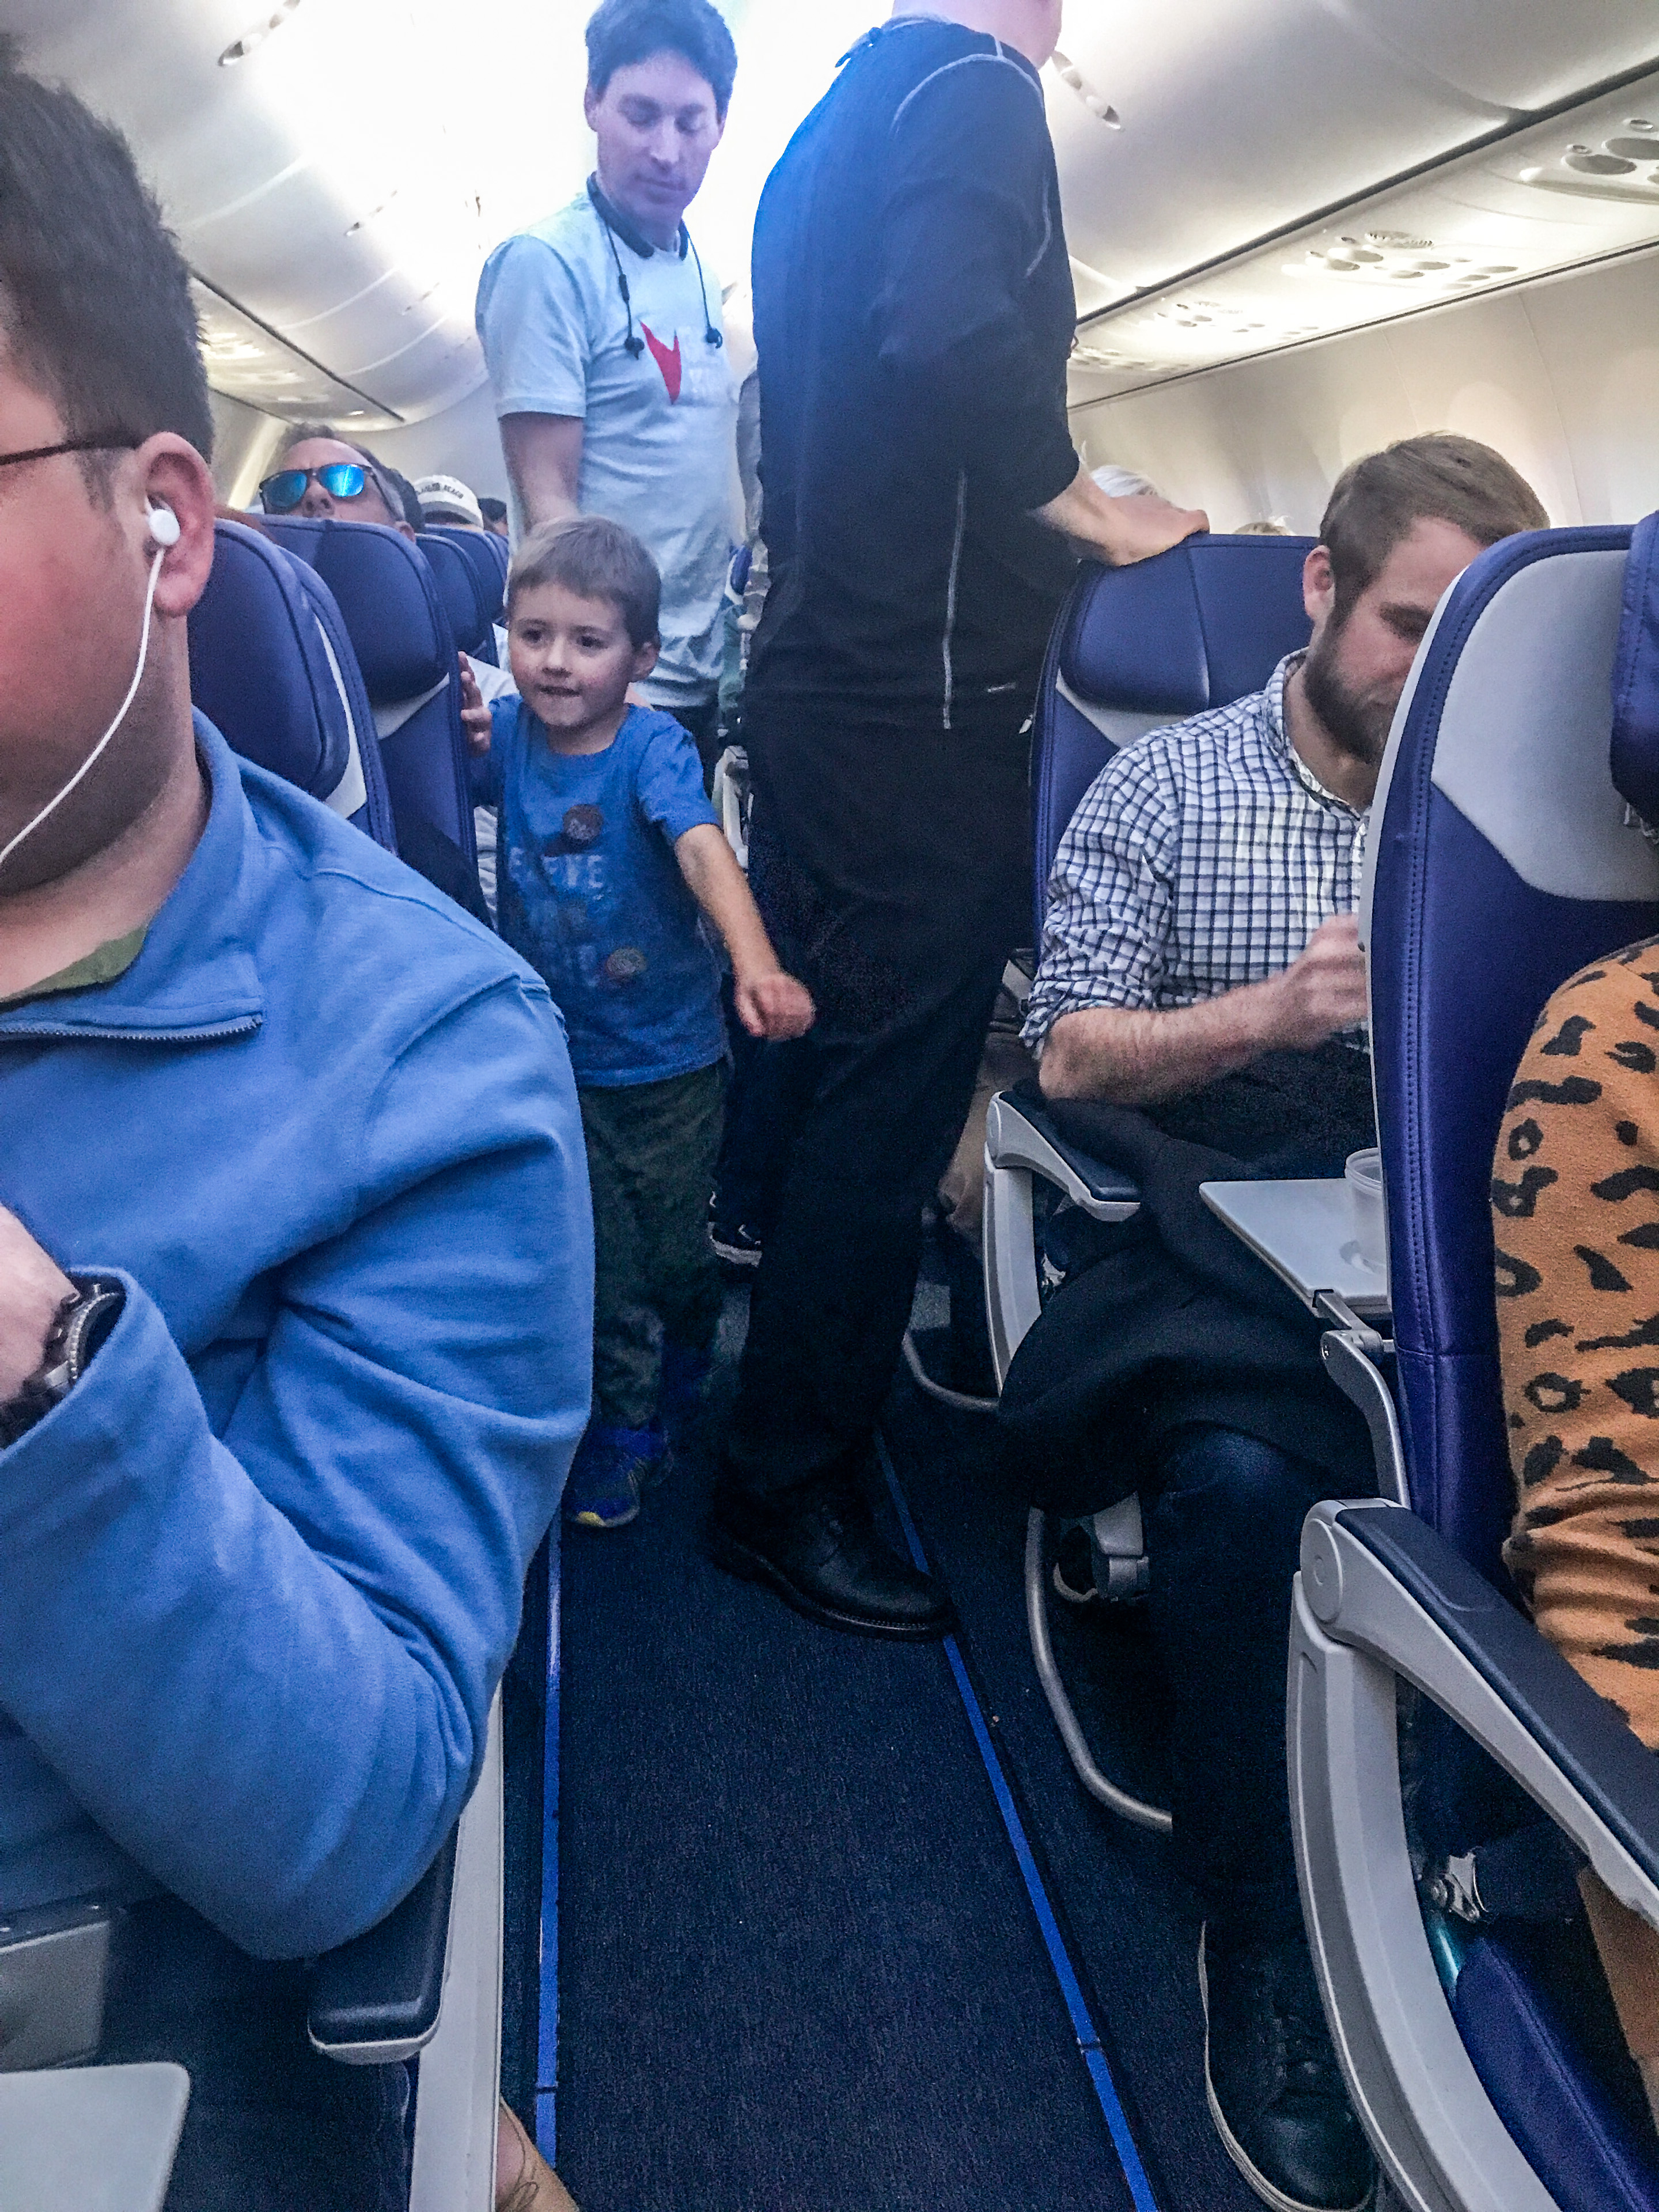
[607,1474]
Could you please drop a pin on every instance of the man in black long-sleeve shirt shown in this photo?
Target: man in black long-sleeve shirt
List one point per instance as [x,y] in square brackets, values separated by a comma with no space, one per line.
[913,313]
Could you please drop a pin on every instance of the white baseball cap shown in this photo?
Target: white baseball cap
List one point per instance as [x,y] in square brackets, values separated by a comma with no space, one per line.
[446,499]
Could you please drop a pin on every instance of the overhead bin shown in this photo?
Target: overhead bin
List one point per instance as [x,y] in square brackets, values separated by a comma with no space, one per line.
[1547,196]
[1520,54]
[1240,117]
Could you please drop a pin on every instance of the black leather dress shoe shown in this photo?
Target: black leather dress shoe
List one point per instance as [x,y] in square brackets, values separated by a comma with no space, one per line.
[1275,2093]
[816,1548]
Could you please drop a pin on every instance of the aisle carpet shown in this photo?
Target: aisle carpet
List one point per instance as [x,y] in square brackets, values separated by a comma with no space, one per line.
[799,1971]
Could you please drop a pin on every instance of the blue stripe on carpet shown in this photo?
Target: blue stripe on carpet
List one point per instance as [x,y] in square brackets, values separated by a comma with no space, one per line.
[1083,2026]
[796,1966]
[1131,1925]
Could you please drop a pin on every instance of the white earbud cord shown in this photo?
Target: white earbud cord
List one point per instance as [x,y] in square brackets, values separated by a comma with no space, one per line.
[92,757]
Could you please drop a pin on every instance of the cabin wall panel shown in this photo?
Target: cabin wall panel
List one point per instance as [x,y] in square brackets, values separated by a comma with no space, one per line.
[246,442]
[461,441]
[1561,377]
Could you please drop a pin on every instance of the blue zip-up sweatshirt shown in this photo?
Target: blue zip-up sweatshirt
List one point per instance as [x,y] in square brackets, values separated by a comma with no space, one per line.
[261,1570]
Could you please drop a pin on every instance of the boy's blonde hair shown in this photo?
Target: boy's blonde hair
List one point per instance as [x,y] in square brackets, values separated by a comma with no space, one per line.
[596,559]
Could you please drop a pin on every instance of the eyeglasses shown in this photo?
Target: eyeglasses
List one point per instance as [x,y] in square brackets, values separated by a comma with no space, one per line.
[282,494]
[105,442]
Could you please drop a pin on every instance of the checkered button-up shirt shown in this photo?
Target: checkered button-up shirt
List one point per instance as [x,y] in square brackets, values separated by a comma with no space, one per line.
[1202,858]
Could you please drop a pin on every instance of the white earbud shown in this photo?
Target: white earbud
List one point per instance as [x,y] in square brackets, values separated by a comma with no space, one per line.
[164,531]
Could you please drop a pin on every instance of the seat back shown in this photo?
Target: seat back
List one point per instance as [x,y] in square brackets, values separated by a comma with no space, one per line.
[1501,860]
[488,556]
[460,590]
[1139,648]
[388,601]
[376,815]
[271,667]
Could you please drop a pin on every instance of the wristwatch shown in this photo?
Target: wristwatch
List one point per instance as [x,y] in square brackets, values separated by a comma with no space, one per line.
[84,1319]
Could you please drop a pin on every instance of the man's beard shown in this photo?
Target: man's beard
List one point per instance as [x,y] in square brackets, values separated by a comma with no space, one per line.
[1359,727]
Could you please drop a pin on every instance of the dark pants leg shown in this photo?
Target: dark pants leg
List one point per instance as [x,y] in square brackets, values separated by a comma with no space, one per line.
[834,1289]
[271,2126]
[1222,1535]
[769,1088]
[651,1152]
[891,866]
[702,724]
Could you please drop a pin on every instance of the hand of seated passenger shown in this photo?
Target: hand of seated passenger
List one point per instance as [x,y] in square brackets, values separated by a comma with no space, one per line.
[773,1005]
[475,715]
[1135,1056]
[1322,990]
[32,1288]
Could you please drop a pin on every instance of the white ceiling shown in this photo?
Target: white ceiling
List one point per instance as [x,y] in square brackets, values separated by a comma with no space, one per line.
[337,182]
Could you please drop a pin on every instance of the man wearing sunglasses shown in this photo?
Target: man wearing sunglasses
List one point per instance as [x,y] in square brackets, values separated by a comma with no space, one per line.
[287,1395]
[322,476]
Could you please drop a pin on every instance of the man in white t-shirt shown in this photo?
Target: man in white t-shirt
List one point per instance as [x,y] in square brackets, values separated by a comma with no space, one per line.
[602,330]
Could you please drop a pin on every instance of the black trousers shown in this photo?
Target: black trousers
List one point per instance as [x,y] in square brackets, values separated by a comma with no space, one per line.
[702,724]
[892,866]
[1224,1529]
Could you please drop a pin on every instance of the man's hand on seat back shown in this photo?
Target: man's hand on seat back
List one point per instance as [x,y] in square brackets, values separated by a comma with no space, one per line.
[1323,991]
[32,1288]
[1119,531]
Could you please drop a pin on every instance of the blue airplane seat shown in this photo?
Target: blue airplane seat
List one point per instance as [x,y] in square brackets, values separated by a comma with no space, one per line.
[1503,856]
[389,604]
[1138,648]
[460,590]
[270,667]
[1635,753]
[487,554]
[489,558]
[1134,649]
[376,814]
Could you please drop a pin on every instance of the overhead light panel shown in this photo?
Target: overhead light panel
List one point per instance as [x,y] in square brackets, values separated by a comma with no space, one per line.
[246,361]
[1569,191]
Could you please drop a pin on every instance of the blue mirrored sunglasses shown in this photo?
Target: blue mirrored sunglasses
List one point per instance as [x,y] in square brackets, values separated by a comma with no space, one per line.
[282,494]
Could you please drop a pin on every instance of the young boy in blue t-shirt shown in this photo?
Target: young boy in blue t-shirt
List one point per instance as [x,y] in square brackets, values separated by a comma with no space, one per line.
[608,850]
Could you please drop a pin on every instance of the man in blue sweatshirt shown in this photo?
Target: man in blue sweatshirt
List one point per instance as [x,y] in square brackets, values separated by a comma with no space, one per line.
[295,1257]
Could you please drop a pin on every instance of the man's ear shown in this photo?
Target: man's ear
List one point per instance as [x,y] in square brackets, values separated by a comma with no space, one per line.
[646,657]
[591,105]
[1318,586]
[170,473]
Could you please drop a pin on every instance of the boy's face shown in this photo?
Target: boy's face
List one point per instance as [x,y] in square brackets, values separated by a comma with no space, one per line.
[572,659]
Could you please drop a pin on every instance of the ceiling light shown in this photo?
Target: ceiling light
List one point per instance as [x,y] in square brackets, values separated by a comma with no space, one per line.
[1097,105]
[250,39]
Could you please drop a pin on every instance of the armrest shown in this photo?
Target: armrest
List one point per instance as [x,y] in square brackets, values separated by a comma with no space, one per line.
[1020,1134]
[376,1999]
[1378,1578]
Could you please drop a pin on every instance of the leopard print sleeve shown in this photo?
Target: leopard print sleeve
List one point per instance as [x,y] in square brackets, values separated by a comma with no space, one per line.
[1576,1218]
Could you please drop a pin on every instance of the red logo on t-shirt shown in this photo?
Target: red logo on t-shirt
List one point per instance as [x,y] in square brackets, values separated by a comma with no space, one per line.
[667,359]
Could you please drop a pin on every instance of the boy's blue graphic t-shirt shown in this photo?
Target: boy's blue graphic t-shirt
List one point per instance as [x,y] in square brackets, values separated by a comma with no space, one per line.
[591,895]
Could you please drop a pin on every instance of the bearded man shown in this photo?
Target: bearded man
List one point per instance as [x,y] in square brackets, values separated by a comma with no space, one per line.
[1200,1004]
